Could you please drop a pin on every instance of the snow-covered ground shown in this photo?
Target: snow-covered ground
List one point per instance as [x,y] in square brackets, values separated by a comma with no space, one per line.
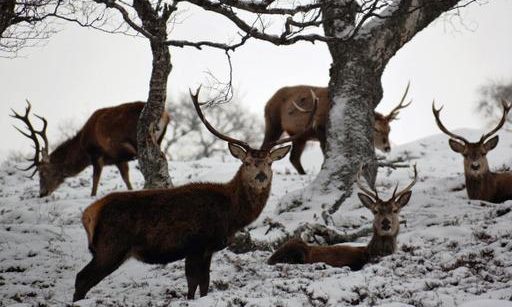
[452,251]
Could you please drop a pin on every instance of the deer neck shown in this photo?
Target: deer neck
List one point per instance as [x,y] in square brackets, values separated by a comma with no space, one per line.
[381,245]
[69,158]
[248,201]
[478,187]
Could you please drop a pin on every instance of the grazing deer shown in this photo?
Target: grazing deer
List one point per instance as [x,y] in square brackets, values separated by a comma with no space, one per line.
[481,183]
[192,221]
[108,137]
[287,110]
[386,226]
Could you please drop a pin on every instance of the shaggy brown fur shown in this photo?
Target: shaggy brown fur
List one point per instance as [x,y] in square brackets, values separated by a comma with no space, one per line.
[162,226]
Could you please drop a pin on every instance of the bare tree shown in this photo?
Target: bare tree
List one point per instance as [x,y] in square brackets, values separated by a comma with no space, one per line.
[188,139]
[489,104]
[25,23]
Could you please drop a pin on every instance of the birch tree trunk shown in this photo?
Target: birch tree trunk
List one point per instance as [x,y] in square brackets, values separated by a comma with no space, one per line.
[152,161]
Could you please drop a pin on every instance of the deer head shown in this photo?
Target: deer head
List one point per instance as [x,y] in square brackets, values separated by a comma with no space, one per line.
[49,177]
[474,153]
[382,124]
[386,222]
[256,163]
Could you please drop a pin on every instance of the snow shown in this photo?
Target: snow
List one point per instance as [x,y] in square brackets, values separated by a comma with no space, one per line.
[451,251]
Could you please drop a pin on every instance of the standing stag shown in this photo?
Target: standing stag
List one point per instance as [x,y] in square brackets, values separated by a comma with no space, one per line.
[386,226]
[288,109]
[108,137]
[192,221]
[481,183]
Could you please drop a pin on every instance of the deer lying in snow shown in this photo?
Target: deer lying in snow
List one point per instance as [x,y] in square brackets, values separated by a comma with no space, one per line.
[108,137]
[481,183]
[386,226]
[287,111]
[192,221]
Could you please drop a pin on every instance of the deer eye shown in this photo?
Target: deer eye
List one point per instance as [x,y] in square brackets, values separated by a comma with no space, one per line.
[247,163]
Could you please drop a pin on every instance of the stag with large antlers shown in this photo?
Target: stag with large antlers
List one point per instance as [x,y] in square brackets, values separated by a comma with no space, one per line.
[289,108]
[386,226]
[481,183]
[192,221]
[108,137]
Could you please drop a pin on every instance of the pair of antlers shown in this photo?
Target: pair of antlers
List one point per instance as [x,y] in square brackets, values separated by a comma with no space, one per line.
[485,136]
[197,105]
[39,150]
[372,192]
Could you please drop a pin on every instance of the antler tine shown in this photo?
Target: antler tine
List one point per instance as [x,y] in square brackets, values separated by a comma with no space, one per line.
[306,128]
[506,109]
[42,133]
[392,115]
[409,187]
[32,135]
[442,127]
[373,192]
[301,109]
[221,136]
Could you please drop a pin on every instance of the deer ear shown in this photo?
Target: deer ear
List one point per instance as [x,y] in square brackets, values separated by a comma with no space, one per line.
[279,153]
[366,200]
[404,199]
[491,144]
[456,146]
[237,151]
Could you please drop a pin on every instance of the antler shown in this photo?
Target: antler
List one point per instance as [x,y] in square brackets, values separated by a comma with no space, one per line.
[442,127]
[506,109]
[221,136]
[33,136]
[301,109]
[394,113]
[409,187]
[373,192]
[306,128]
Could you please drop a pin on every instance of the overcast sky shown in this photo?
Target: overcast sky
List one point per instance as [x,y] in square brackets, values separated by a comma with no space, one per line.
[80,70]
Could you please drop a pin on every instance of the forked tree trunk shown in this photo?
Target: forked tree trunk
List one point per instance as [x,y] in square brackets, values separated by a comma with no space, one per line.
[152,161]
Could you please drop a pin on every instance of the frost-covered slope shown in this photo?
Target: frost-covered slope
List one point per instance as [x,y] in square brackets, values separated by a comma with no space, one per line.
[451,250]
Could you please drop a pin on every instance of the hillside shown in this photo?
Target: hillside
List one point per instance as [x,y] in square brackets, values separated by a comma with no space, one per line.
[452,251]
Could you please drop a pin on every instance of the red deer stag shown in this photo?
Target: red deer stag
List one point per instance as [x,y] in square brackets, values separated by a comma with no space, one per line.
[287,111]
[481,183]
[386,226]
[108,137]
[192,221]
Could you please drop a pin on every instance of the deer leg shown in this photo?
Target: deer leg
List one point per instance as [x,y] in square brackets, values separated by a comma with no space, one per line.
[193,274]
[124,170]
[93,273]
[97,166]
[297,149]
[204,281]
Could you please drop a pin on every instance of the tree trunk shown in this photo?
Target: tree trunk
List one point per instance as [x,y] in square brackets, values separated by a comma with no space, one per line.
[354,91]
[152,161]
